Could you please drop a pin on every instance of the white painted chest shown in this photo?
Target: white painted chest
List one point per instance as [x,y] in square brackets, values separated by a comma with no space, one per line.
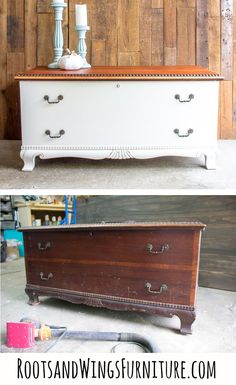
[119,113]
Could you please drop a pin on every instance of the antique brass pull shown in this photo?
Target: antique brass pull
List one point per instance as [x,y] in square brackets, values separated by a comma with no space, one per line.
[61,132]
[149,247]
[42,248]
[190,131]
[163,288]
[190,97]
[59,98]
[50,275]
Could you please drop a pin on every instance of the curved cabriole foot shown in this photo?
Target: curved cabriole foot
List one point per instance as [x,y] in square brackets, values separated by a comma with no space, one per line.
[28,158]
[186,320]
[210,160]
[33,297]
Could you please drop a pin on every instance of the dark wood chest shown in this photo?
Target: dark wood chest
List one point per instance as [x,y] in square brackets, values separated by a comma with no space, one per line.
[147,267]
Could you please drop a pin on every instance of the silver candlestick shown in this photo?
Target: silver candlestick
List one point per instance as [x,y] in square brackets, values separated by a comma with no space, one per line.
[82,47]
[58,34]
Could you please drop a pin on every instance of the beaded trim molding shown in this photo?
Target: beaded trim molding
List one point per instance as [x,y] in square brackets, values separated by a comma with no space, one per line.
[105,148]
[133,224]
[60,292]
[116,76]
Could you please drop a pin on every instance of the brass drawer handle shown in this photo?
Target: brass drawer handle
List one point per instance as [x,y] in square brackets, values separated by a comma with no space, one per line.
[42,248]
[61,132]
[149,247]
[190,131]
[50,275]
[59,98]
[190,97]
[163,288]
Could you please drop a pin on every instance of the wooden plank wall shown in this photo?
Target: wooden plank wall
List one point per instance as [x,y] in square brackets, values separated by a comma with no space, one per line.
[218,251]
[123,32]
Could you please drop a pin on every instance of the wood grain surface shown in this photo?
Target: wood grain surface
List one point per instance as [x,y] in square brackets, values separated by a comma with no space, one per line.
[234,69]
[121,281]
[114,260]
[202,33]
[129,246]
[123,32]
[123,72]
[218,251]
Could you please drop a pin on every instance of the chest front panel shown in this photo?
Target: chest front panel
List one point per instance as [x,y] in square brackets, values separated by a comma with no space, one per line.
[150,265]
[119,113]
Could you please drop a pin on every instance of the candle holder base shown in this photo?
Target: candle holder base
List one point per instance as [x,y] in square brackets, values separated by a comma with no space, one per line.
[82,47]
[53,65]
[86,65]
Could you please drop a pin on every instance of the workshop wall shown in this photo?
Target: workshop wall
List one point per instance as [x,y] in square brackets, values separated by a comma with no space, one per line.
[218,251]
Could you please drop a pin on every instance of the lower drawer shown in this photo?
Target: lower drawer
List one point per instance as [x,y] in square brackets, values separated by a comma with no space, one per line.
[155,285]
[57,136]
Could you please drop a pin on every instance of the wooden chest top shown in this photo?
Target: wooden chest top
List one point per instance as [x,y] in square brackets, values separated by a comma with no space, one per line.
[119,226]
[122,73]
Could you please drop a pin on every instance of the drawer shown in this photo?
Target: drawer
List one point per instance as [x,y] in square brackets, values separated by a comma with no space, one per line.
[155,285]
[125,113]
[162,246]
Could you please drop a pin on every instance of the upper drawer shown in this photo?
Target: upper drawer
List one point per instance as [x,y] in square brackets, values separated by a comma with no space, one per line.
[159,247]
[109,113]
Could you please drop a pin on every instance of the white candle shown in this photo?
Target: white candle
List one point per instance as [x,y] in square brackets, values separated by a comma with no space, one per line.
[57,1]
[81,14]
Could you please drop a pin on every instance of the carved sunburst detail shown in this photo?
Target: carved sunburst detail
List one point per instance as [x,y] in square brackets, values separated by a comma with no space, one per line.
[95,302]
[120,154]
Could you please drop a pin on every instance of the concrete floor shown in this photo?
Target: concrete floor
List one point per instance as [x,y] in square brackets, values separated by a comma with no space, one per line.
[159,173]
[213,331]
